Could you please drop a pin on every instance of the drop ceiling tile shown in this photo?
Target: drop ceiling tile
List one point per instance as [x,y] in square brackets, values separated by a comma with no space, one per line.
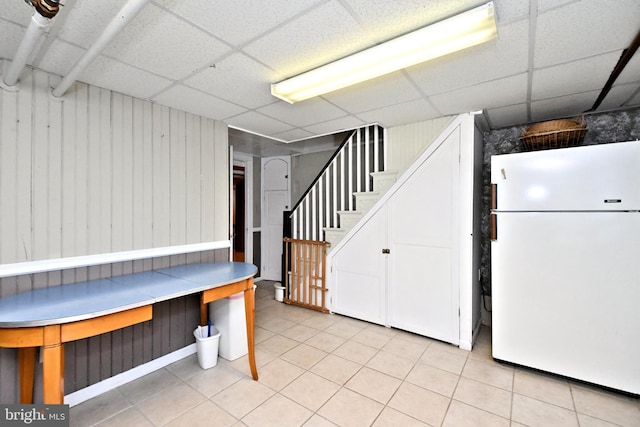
[501,57]
[239,21]
[507,116]
[573,77]
[200,103]
[103,72]
[377,93]
[511,10]
[401,114]
[158,41]
[511,90]
[583,29]
[390,18]
[106,72]
[60,57]
[335,34]
[18,12]
[544,5]
[387,19]
[334,126]
[236,78]
[618,97]
[11,34]
[303,113]
[86,21]
[258,123]
[564,106]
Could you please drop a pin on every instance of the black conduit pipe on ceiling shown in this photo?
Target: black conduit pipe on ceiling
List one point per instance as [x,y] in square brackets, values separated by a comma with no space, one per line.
[626,56]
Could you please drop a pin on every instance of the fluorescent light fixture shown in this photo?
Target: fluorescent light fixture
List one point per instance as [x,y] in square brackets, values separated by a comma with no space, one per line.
[459,32]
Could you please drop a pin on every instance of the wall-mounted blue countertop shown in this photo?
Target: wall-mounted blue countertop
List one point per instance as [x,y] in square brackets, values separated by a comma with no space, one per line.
[94,298]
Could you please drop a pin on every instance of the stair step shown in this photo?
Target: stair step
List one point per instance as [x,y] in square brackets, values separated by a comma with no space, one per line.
[348,219]
[382,181]
[366,200]
[333,236]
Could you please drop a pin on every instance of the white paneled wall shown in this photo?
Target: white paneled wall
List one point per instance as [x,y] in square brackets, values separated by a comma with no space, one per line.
[100,172]
[407,142]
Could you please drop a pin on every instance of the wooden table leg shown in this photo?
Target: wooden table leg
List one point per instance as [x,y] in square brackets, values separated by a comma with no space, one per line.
[53,365]
[204,313]
[249,306]
[53,374]
[26,369]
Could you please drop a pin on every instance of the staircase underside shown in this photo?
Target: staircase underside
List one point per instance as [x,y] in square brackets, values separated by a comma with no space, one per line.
[364,201]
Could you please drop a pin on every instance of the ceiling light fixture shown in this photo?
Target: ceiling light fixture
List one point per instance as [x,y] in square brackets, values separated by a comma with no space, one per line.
[459,32]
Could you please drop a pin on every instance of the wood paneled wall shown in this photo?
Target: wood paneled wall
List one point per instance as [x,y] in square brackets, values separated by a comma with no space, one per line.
[99,172]
[103,172]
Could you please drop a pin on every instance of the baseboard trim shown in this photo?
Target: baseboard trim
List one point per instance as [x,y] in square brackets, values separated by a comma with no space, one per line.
[116,381]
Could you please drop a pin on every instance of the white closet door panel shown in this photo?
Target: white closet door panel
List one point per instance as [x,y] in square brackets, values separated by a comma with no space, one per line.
[422,283]
[359,273]
[361,298]
[423,297]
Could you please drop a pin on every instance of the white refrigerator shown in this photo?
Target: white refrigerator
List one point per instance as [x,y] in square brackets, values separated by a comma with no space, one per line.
[565,262]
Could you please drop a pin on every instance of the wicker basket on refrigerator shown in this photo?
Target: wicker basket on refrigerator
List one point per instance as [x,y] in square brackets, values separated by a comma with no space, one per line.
[554,134]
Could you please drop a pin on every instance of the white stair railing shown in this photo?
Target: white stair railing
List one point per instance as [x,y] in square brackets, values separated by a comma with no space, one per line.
[348,171]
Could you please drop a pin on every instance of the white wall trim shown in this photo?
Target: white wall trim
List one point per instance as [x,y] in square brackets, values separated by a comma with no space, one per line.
[116,381]
[30,267]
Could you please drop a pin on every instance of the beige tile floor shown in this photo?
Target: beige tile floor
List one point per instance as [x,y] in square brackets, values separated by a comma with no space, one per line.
[328,370]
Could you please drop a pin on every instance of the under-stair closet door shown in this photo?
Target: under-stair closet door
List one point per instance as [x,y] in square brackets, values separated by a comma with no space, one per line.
[423,283]
[358,273]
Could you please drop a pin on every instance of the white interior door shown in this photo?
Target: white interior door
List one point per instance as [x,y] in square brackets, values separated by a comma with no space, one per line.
[359,271]
[276,199]
[423,283]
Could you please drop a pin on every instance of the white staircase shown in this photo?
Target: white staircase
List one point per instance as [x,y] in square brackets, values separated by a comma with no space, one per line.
[349,185]
[364,201]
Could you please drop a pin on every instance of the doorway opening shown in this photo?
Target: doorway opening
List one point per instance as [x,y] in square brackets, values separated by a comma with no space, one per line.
[238,213]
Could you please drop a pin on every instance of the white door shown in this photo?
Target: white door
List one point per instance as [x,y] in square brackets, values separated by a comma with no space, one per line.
[276,199]
[359,271]
[423,278]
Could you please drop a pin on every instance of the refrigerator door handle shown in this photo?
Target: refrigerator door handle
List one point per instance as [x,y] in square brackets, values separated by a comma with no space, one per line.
[493,227]
[494,196]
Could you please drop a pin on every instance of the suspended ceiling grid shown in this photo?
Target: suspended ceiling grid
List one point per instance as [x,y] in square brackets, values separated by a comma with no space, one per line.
[217,59]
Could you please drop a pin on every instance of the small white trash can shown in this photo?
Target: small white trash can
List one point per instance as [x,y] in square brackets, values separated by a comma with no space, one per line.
[207,346]
[279,291]
[229,316]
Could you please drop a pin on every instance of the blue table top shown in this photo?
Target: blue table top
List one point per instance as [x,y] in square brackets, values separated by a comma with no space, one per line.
[94,298]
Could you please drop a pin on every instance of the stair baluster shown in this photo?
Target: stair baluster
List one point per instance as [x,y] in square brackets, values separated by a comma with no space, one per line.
[349,171]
